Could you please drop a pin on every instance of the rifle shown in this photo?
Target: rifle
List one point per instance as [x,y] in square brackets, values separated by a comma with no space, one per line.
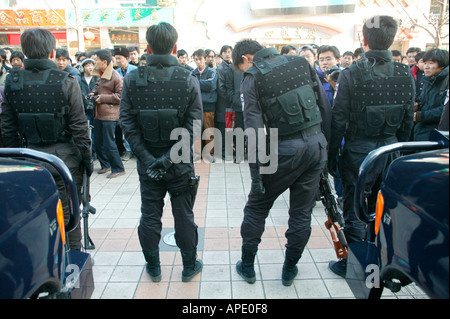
[87,209]
[335,222]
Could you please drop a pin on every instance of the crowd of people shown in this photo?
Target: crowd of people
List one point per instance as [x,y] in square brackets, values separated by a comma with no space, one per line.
[365,96]
[220,86]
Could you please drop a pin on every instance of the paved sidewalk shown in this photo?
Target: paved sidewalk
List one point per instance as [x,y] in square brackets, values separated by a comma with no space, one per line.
[119,270]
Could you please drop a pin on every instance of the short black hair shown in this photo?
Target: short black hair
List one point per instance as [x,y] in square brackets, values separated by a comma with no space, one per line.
[437,55]
[348,53]
[133,48]
[358,52]
[224,48]
[396,53]
[162,38]
[2,55]
[37,43]
[104,55]
[326,48]
[419,56]
[380,32]
[208,51]
[181,53]
[17,54]
[245,47]
[80,55]
[199,52]
[62,53]
[413,49]
[287,48]
[307,48]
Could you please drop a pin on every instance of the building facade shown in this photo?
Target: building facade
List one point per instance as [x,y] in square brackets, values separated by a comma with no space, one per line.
[88,25]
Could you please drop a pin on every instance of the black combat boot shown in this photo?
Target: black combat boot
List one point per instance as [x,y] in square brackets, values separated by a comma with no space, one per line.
[191,265]
[339,267]
[153,265]
[290,269]
[245,267]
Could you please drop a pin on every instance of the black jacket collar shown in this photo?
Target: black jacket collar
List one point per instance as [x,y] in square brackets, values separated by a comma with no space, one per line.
[165,60]
[379,55]
[39,64]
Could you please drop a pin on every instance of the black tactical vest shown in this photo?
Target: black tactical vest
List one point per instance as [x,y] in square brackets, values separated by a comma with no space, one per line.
[379,103]
[160,96]
[285,88]
[40,103]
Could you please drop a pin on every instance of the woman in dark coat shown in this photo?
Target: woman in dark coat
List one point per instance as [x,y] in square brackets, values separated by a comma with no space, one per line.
[433,97]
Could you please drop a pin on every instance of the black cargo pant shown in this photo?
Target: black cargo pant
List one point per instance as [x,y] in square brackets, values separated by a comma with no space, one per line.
[71,156]
[355,151]
[300,162]
[182,196]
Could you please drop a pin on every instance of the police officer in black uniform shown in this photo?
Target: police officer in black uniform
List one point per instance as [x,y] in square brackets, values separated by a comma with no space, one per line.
[43,110]
[157,99]
[373,107]
[284,94]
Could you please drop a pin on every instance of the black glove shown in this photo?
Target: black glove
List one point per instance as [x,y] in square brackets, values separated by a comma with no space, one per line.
[163,162]
[88,162]
[156,174]
[258,187]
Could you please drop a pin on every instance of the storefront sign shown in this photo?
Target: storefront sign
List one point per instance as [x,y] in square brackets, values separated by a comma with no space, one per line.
[32,18]
[124,17]
[121,37]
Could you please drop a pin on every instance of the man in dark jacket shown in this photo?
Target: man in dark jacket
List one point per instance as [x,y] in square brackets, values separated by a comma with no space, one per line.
[208,85]
[229,96]
[156,100]
[87,84]
[64,63]
[24,123]
[373,107]
[87,80]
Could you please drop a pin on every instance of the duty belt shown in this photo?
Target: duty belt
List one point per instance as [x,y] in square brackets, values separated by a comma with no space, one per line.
[310,131]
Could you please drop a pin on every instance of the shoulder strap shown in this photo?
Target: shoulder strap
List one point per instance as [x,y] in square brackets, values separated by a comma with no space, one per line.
[15,79]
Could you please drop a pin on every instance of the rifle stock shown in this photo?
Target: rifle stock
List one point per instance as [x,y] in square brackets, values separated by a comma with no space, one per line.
[335,222]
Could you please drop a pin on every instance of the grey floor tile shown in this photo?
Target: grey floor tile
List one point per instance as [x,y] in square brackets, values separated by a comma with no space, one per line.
[215,290]
[119,290]
[338,288]
[274,289]
[131,258]
[127,274]
[244,290]
[107,258]
[216,257]
[216,273]
[311,289]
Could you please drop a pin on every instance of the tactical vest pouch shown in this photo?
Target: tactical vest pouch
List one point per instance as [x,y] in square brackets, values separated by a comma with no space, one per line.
[150,125]
[382,120]
[168,120]
[28,128]
[38,128]
[394,117]
[157,125]
[299,105]
[47,127]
